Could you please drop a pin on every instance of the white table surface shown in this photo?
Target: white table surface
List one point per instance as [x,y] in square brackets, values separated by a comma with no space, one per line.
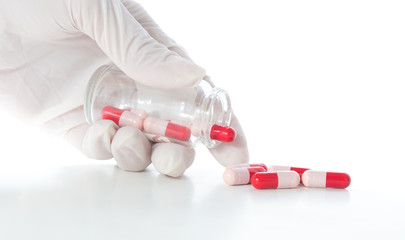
[71,197]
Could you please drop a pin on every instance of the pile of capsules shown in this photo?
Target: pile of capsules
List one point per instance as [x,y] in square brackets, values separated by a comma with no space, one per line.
[138,118]
[276,177]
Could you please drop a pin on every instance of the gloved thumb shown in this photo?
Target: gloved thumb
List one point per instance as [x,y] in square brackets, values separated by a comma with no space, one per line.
[131,47]
[234,152]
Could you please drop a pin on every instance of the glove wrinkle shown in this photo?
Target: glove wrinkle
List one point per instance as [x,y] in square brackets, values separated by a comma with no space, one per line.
[131,149]
[172,159]
[97,140]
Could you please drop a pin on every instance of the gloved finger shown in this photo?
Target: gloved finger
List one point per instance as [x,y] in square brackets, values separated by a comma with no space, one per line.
[130,46]
[92,140]
[146,21]
[233,152]
[58,126]
[131,149]
[96,142]
[172,159]
[75,137]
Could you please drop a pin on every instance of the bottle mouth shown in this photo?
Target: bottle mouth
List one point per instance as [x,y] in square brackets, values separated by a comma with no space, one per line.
[216,115]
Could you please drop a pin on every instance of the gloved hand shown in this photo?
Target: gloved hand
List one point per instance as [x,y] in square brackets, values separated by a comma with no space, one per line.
[50,48]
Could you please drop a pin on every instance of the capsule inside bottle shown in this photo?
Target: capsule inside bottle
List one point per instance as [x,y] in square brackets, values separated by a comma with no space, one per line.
[222,134]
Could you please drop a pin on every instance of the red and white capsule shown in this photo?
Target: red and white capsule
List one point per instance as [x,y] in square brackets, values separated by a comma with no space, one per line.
[166,128]
[240,176]
[244,165]
[300,171]
[122,117]
[273,180]
[139,112]
[216,132]
[321,179]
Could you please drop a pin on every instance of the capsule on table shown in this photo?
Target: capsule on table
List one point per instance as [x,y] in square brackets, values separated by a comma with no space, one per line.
[300,171]
[242,165]
[273,180]
[240,176]
[121,117]
[322,179]
[166,128]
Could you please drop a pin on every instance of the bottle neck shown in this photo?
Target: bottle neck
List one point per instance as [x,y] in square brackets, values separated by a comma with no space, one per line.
[214,110]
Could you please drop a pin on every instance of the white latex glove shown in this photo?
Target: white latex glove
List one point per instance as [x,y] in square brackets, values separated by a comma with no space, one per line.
[50,48]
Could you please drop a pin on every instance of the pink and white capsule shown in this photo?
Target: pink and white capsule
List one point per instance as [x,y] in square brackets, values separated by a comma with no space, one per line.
[122,117]
[166,128]
[300,171]
[321,179]
[245,165]
[139,112]
[240,176]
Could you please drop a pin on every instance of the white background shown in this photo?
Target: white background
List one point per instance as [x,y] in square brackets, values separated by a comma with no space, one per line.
[317,84]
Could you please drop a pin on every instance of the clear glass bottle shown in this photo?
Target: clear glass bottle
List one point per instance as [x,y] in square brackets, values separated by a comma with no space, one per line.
[204,111]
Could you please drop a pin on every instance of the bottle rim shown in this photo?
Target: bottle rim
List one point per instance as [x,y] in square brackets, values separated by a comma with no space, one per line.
[216,97]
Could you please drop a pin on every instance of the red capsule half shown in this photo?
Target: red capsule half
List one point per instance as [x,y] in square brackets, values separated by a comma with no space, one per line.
[111,113]
[222,134]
